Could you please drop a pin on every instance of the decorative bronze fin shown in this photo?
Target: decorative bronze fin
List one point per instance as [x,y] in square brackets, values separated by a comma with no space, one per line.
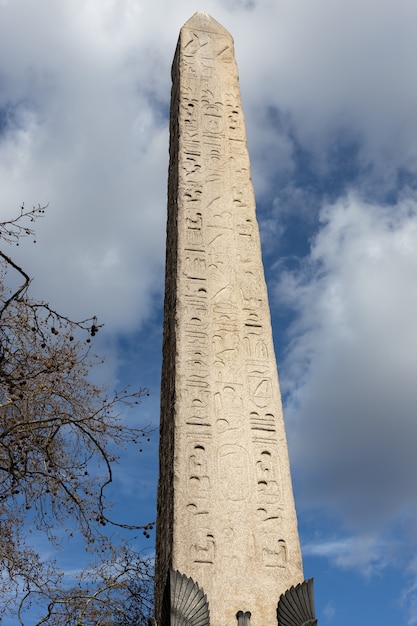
[184,602]
[243,619]
[296,606]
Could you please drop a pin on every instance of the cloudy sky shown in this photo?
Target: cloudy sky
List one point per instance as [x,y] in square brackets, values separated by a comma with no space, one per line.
[330,99]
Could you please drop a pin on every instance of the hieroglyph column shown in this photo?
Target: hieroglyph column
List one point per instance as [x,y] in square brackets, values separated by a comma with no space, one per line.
[226,513]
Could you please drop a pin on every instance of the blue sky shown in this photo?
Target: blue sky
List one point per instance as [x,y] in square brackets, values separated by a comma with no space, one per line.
[329,95]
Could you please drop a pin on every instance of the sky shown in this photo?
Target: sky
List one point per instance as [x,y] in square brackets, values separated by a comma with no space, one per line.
[330,100]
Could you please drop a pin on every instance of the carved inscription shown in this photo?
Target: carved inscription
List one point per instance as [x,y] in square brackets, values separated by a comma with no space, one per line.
[273,551]
[268,487]
[203,546]
[223,454]
[199,481]
[234,472]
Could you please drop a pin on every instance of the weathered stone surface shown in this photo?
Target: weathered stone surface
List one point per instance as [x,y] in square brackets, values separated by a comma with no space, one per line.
[226,513]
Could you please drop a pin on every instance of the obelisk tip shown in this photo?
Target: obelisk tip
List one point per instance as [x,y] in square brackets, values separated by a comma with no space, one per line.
[203,21]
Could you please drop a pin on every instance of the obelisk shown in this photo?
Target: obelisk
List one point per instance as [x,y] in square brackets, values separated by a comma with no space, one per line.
[226,515]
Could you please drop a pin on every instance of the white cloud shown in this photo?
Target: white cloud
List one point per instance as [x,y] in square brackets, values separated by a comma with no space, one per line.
[351,365]
[365,553]
[89,140]
[329,612]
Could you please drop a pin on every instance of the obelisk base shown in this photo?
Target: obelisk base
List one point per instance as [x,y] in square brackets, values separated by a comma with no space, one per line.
[185,604]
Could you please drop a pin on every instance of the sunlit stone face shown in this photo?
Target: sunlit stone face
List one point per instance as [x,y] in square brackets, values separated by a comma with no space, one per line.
[226,513]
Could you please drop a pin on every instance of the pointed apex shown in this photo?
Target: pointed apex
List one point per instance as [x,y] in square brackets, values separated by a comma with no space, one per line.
[204,21]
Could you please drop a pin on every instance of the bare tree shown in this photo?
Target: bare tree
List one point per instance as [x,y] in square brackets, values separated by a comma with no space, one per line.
[110,593]
[58,433]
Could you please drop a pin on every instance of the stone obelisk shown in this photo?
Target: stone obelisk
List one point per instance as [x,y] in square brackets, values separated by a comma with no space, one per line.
[226,515]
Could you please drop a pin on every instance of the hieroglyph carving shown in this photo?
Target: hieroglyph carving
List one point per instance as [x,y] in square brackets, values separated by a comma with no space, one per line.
[224,471]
